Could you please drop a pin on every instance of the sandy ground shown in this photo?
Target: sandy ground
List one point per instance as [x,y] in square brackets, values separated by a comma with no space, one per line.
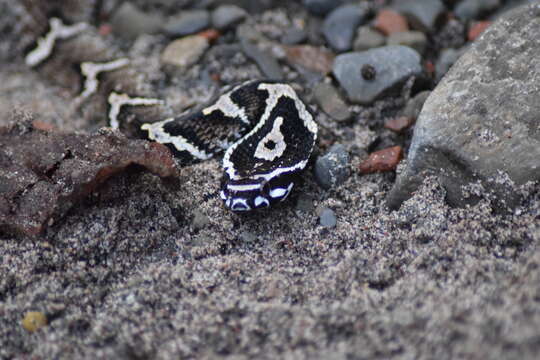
[158,268]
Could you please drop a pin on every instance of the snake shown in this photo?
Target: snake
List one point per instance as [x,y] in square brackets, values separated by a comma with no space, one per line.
[263,129]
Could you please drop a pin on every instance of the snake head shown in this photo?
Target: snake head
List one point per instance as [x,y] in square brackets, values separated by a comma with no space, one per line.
[249,194]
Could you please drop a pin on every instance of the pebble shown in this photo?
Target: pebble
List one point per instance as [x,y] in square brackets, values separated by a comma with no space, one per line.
[332,169]
[321,7]
[226,16]
[247,237]
[473,9]
[311,57]
[389,21]
[477,29]
[200,220]
[294,36]
[387,67]
[185,51]
[266,63]
[368,38]
[382,160]
[327,218]
[399,123]
[34,320]
[187,22]
[340,25]
[305,203]
[447,58]
[414,105]
[414,39]
[331,102]
[130,22]
[422,14]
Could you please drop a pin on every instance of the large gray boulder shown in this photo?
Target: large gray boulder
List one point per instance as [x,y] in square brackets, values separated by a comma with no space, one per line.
[482,122]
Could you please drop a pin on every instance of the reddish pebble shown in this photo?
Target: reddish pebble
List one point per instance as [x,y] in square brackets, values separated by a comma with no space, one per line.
[210,34]
[105,29]
[430,68]
[310,57]
[382,160]
[42,125]
[399,123]
[389,21]
[477,28]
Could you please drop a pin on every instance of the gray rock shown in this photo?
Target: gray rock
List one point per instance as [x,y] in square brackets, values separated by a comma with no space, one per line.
[472,9]
[414,105]
[368,75]
[200,220]
[332,169]
[247,237]
[481,121]
[266,62]
[368,38]
[185,51]
[446,59]
[294,36]
[305,203]
[331,102]
[414,39]
[340,26]
[187,22]
[226,16]
[327,218]
[422,14]
[129,21]
[321,7]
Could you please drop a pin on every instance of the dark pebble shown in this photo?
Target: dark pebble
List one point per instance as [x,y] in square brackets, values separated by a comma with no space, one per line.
[473,9]
[332,169]
[321,7]
[266,63]
[187,22]
[226,16]
[422,14]
[294,36]
[340,25]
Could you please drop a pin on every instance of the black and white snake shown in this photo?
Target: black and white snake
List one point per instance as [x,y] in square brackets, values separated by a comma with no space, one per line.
[266,132]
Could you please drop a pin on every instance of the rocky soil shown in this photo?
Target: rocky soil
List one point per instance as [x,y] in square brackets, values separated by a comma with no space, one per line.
[413,234]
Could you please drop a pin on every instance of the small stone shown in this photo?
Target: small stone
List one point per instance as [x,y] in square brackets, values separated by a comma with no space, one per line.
[368,72]
[321,7]
[294,36]
[398,124]
[332,169]
[266,62]
[392,66]
[327,218]
[382,160]
[340,26]
[422,14]
[200,220]
[247,237]
[187,22]
[389,22]
[184,52]
[311,57]
[226,16]
[447,58]
[331,102]
[304,203]
[368,38]
[477,29]
[414,105]
[414,39]
[34,320]
[130,22]
[473,9]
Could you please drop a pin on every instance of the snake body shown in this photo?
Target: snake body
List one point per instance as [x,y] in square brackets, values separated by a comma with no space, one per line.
[267,135]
